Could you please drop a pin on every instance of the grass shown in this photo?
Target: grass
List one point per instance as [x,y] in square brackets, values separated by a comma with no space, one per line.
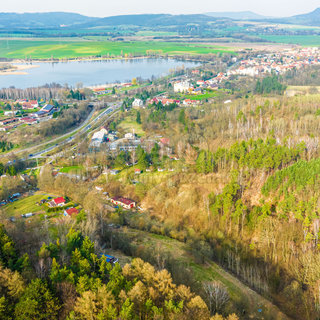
[241,297]
[46,49]
[302,90]
[206,95]
[129,124]
[71,169]
[25,205]
[303,40]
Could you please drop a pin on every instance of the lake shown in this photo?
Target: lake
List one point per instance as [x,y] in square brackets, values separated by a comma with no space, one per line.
[91,73]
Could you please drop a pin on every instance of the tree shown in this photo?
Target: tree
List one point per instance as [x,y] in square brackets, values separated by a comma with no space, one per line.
[217,296]
[182,117]
[138,118]
[37,302]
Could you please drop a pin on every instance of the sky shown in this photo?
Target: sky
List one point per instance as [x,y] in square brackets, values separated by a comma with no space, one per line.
[104,8]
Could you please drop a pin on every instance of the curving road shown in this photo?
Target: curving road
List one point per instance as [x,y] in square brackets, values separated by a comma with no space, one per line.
[69,136]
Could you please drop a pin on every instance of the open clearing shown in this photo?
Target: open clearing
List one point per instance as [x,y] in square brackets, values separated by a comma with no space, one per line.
[26,205]
[130,125]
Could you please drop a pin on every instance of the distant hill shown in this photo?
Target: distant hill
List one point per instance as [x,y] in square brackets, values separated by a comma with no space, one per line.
[41,20]
[151,20]
[308,19]
[241,15]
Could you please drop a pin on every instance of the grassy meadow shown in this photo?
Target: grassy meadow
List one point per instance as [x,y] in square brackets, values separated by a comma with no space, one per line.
[47,49]
[303,40]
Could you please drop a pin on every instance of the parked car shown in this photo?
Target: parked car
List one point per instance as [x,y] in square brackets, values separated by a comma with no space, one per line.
[110,259]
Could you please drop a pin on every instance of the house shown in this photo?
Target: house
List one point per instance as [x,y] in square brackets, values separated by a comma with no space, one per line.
[49,108]
[40,114]
[123,202]
[98,138]
[5,122]
[11,113]
[57,202]
[182,86]
[32,104]
[197,91]
[29,120]
[70,212]
[137,103]
[137,171]
[130,135]
[165,141]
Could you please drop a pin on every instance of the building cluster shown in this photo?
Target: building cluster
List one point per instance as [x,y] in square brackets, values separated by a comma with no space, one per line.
[43,114]
[98,91]
[182,103]
[129,143]
[278,63]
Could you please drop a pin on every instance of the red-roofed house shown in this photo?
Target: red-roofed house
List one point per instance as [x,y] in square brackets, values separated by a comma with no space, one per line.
[70,212]
[57,202]
[123,202]
[165,141]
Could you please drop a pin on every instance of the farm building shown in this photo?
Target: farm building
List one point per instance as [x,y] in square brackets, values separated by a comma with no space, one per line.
[123,202]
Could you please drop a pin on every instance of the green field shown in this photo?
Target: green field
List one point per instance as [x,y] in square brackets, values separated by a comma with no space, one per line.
[129,124]
[203,96]
[71,169]
[308,40]
[46,49]
[25,205]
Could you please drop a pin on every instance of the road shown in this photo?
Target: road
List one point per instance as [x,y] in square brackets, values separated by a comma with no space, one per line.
[69,136]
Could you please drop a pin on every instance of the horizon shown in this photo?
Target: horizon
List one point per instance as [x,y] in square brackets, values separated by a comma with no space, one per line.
[274,8]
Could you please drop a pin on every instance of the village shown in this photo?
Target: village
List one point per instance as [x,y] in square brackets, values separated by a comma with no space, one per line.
[25,112]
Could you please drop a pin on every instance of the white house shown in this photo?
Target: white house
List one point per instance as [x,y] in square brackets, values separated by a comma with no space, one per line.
[182,86]
[137,103]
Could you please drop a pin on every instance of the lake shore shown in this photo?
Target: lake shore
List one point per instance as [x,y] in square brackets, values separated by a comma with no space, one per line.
[18,69]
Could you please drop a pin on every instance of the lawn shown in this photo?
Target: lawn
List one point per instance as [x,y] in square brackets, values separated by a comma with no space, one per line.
[129,124]
[25,205]
[46,49]
[206,95]
[71,169]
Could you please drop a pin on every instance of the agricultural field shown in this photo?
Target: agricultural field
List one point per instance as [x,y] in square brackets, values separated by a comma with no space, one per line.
[303,40]
[47,49]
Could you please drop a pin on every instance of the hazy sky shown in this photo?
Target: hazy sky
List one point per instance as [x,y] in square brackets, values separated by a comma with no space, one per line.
[103,8]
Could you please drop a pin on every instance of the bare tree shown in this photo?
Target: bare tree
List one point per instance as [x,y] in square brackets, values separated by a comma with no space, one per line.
[217,296]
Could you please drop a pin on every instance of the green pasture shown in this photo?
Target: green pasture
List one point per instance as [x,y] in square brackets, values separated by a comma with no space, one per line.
[303,40]
[46,49]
